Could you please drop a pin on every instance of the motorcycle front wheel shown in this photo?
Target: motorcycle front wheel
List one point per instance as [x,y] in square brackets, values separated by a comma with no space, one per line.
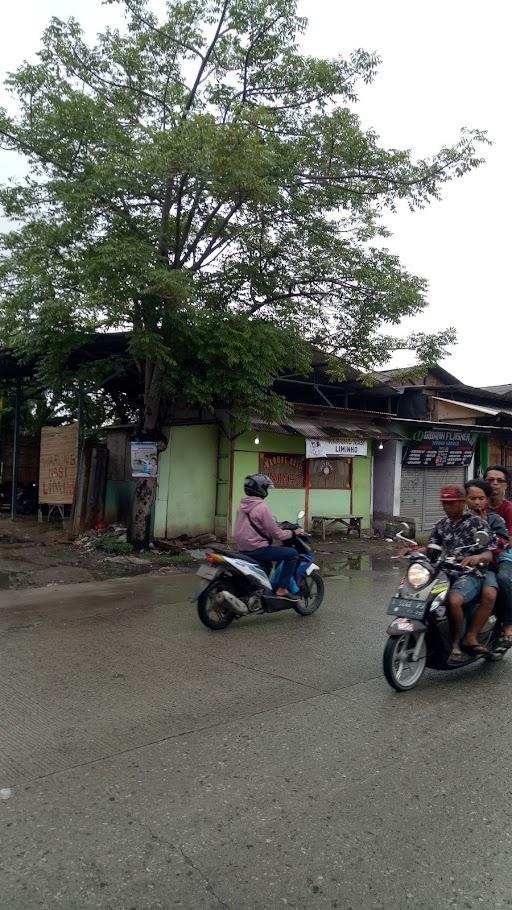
[311,594]
[401,669]
[212,614]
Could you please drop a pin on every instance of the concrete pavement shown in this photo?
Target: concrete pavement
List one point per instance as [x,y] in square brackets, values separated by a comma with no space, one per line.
[158,765]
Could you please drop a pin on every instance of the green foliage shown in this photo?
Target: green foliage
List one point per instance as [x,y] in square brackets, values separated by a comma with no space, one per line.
[109,543]
[202,183]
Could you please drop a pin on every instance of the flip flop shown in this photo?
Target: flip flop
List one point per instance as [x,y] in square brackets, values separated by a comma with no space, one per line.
[456,658]
[476,650]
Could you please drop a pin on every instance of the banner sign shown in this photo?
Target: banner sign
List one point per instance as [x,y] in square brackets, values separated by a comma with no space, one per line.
[330,448]
[144,459]
[440,448]
[57,464]
[287,472]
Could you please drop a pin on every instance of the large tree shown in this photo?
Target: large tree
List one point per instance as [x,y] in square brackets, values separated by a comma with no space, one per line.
[200,181]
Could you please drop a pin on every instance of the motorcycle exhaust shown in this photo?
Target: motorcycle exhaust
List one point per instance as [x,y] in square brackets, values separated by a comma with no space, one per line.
[233,602]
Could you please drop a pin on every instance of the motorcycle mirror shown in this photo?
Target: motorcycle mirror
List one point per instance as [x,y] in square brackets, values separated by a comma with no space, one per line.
[300,515]
[482,538]
[434,552]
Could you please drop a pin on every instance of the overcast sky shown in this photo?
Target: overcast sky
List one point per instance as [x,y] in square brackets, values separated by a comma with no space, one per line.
[444,65]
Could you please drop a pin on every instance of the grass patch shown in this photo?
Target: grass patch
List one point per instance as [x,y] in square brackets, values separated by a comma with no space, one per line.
[110,543]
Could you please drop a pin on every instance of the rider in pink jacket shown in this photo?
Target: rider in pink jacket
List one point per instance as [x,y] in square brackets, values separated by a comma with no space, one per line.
[256,528]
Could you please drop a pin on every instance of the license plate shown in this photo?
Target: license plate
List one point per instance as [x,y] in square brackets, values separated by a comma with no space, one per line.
[207,572]
[405,606]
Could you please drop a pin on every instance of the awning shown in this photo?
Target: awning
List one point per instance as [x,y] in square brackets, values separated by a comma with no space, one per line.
[329,428]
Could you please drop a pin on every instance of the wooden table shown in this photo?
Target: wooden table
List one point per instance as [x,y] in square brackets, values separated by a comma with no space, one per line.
[350,522]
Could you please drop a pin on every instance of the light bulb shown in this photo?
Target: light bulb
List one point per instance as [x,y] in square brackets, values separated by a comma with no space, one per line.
[257,441]
[381,445]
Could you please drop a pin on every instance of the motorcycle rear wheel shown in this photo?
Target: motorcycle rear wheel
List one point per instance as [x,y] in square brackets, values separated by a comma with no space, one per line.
[211,615]
[311,594]
[400,670]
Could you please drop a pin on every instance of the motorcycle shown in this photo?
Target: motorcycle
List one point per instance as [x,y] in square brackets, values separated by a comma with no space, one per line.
[235,585]
[419,634]
[27,499]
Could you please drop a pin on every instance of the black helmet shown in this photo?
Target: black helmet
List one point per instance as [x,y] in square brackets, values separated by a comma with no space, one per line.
[257,485]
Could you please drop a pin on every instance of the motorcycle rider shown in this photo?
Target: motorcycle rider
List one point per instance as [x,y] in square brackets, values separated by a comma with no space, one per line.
[498,476]
[478,493]
[256,527]
[457,530]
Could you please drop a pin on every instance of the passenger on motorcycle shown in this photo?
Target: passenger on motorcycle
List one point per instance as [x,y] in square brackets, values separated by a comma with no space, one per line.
[256,527]
[478,493]
[453,533]
[498,476]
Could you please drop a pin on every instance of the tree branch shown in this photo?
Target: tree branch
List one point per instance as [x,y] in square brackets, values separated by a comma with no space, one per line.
[223,225]
[206,57]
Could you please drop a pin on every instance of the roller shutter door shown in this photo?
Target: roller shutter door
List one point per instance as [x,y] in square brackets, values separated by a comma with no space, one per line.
[419,497]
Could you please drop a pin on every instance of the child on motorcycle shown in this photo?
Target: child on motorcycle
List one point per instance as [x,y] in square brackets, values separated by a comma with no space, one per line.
[478,493]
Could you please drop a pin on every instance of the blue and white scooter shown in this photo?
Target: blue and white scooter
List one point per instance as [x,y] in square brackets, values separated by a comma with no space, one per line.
[234,585]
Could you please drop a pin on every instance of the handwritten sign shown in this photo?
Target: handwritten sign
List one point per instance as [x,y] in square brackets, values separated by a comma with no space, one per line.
[287,472]
[57,464]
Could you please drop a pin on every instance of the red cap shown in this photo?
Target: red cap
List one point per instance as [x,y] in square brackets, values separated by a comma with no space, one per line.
[451,494]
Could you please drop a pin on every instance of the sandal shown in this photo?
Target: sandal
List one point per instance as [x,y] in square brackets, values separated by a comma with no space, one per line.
[503,644]
[476,650]
[456,657]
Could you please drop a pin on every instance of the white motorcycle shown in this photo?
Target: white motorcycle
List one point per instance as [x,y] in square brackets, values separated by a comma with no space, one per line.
[234,585]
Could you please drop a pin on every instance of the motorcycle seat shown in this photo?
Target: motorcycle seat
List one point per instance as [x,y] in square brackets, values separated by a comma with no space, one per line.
[233,554]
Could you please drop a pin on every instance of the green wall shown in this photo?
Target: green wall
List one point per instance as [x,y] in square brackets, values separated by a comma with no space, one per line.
[329,502]
[361,488]
[285,504]
[484,452]
[186,494]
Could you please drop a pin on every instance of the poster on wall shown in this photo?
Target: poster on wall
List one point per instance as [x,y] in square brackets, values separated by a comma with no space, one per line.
[332,448]
[144,459]
[440,449]
[287,472]
[57,465]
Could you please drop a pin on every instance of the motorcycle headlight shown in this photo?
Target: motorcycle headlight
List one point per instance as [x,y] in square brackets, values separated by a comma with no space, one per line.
[418,575]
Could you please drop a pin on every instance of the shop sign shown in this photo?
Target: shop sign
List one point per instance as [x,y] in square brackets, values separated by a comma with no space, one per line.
[440,448]
[330,448]
[144,459]
[287,472]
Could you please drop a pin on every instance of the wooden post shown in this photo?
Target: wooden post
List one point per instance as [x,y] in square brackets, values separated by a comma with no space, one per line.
[16,447]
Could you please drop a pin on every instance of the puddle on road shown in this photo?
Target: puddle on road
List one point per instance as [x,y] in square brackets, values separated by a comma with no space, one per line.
[332,566]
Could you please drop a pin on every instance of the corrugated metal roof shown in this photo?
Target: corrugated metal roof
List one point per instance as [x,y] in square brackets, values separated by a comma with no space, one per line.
[329,428]
[499,389]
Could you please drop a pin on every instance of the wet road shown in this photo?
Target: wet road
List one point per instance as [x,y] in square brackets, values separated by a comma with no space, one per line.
[155,764]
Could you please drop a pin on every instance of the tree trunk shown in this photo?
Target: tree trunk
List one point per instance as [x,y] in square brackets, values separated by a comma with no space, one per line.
[140,525]
[139,531]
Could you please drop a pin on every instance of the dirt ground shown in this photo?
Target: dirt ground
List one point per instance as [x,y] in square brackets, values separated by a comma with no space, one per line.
[36,554]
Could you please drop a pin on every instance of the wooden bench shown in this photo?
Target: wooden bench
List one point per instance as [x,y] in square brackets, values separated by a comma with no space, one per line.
[350,522]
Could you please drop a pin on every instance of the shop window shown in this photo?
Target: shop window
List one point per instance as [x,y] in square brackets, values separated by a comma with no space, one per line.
[287,472]
[330,473]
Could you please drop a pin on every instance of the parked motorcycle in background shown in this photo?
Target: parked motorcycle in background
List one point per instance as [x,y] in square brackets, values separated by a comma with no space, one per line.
[235,585]
[419,634]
